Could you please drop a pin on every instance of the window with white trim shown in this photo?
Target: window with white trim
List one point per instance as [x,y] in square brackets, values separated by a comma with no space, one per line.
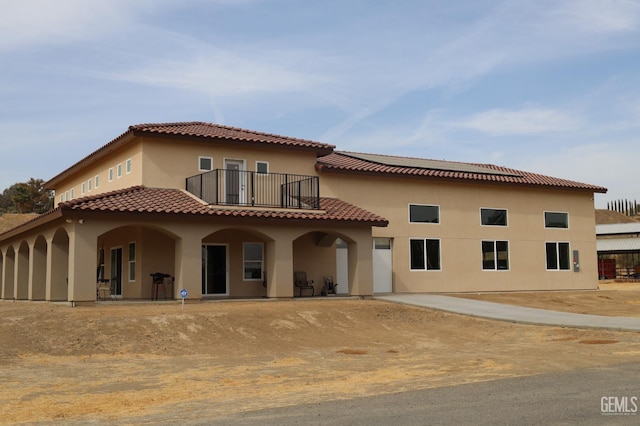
[111,174]
[262,167]
[424,213]
[97,181]
[425,254]
[83,188]
[128,166]
[119,170]
[66,195]
[253,261]
[556,220]
[90,185]
[493,217]
[558,256]
[495,255]
[71,193]
[132,262]
[205,164]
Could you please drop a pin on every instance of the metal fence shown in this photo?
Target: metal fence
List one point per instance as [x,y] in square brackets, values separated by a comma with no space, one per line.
[235,187]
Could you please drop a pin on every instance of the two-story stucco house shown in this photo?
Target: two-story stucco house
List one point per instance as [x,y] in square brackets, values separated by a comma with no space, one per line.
[228,212]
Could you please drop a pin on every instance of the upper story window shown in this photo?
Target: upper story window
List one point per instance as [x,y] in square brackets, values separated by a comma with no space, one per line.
[83,188]
[493,217]
[111,174]
[205,164]
[90,185]
[71,193]
[119,170]
[421,213]
[262,167]
[556,220]
[127,166]
[97,181]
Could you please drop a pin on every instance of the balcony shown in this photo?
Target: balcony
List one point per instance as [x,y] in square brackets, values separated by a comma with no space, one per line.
[242,188]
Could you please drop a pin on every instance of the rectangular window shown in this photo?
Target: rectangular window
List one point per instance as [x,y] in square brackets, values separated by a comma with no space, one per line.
[253,260]
[493,217]
[97,181]
[205,164]
[262,167]
[111,174]
[132,261]
[558,257]
[90,185]
[72,193]
[556,220]
[495,255]
[66,195]
[119,170]
[83,188]
[419,213]
[425,254]
[128,165]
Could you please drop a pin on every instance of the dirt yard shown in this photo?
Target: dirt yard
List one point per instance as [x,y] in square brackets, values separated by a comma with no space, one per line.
[125,362]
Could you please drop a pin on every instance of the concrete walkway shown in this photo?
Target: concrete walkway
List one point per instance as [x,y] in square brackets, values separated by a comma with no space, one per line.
[513,313]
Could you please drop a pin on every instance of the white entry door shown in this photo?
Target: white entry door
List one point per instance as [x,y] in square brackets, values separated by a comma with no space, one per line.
[382,265]
[342,267]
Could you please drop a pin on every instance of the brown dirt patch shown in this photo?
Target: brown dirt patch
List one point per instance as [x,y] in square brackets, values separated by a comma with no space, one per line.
[119,362]
[597,342]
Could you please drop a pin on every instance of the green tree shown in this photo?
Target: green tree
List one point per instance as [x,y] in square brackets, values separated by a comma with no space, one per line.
[26,197]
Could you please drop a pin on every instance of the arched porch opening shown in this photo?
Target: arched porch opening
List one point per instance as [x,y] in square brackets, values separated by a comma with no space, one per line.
[128,256]
[9,274]
[234,263]
[39,273]
[60,266]
[22,279]
[321,255]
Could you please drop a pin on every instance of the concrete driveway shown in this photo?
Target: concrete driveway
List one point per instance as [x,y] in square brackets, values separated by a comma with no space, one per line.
[513,313]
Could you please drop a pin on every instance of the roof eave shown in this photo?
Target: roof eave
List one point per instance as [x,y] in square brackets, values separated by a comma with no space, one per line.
[330,169]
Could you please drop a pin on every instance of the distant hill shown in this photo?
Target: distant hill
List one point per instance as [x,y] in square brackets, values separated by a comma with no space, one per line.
[605,217]
[9,221]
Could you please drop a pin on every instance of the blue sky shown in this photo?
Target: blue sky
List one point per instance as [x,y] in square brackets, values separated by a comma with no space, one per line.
[545,86]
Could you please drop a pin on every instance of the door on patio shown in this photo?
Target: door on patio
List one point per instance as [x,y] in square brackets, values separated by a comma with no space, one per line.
[116,272]
[382,265]
[214,270]
[234,182]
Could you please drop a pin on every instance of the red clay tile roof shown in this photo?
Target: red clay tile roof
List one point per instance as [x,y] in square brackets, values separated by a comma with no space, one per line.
[209,130]
[140,199]
[345,162]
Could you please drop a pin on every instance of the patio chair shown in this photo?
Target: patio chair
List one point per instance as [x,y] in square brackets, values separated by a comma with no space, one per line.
[329,286]
[300,281]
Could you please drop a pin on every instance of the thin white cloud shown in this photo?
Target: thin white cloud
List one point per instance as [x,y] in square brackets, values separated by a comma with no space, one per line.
[527,121]
[37,22]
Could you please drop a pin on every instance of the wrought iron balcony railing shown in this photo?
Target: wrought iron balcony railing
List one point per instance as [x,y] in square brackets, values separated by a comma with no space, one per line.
[242,188]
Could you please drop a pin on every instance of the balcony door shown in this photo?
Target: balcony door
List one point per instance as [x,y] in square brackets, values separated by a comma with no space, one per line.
[234,182]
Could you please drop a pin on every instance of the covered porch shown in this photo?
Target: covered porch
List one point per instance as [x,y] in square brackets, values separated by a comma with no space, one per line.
[211,253]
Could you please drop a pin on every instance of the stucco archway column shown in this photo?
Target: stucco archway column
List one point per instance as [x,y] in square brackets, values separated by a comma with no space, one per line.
[82,262]
[280,267]
[360,263]
[188,266]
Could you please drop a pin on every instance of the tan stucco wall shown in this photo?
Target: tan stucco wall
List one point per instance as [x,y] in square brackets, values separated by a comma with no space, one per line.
[461,234]
[168,162]
[100,168]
